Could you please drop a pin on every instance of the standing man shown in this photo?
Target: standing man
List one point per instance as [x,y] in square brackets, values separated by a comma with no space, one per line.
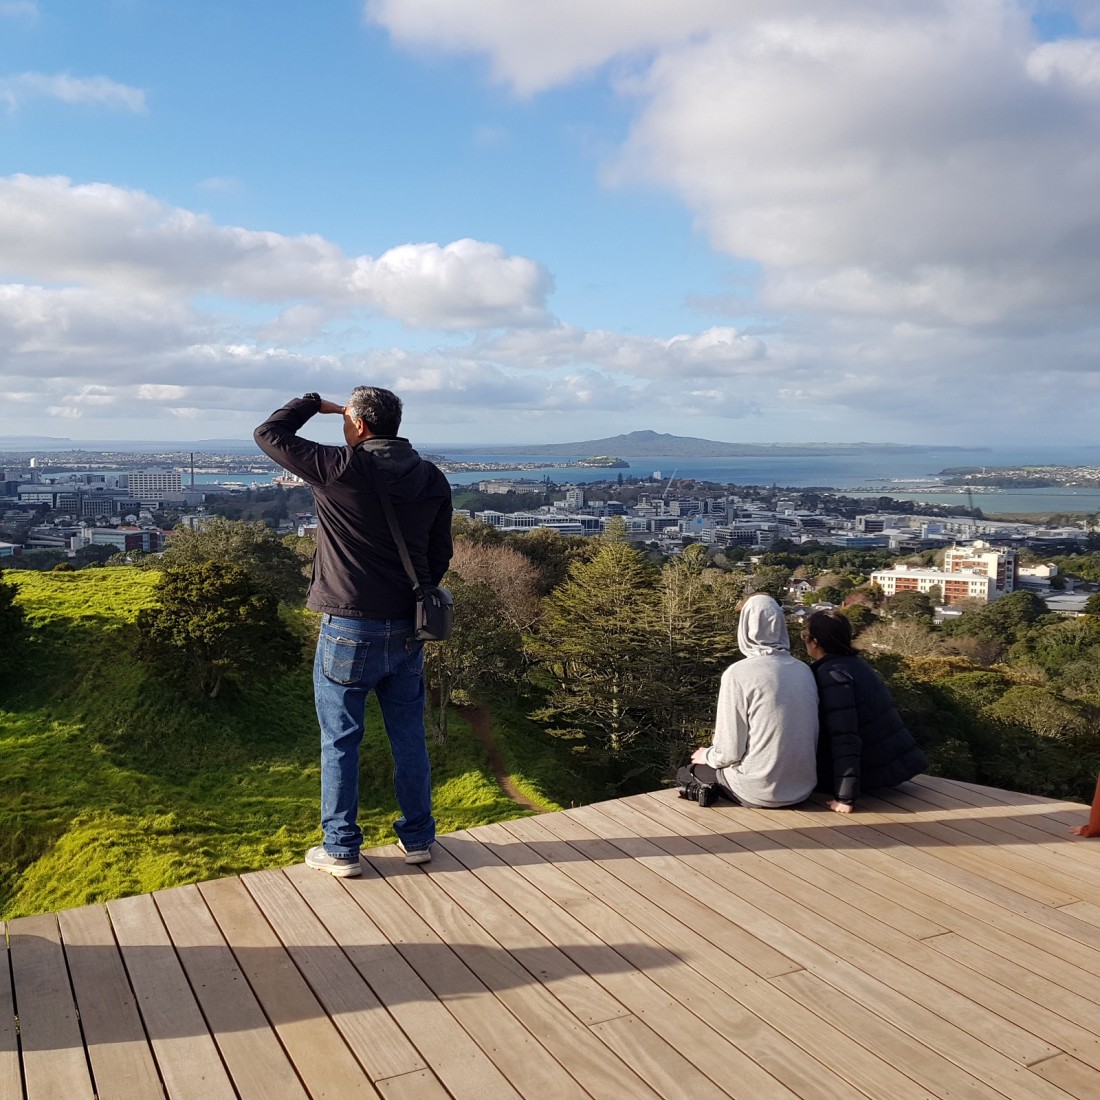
[367,640]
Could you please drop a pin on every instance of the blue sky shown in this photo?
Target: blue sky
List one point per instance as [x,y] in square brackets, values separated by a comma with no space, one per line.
[539,222]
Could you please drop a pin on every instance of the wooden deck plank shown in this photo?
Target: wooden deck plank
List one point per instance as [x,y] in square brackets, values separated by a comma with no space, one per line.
[840,855]
[903,995]
[1071,1076]
[11,1076]
[679,992]
[256,1061]
[941,943]
[764,855]
[1054,859]
[346,909]
[1051,815]
[819,1040]
[907,845]
[367,1027]
[523,969]
[54,1062]
[670,1028]
[845,847]
[118,1048]
[915,1066]
[960,895]
[1001,998]
[999,860]
[490,922]
[186,1055]
[320,1056]
[516,1047]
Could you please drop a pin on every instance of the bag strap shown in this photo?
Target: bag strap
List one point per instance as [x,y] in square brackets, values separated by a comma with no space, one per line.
[395,529]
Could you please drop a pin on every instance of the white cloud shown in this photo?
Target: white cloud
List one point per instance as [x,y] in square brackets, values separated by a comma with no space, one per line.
[716,352]
[925,161]
[1073,61]
[535,45]
[466,284]
[126,242]
[98,91]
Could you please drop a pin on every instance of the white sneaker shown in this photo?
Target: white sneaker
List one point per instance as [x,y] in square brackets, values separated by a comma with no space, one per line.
[416,855]
[340,866]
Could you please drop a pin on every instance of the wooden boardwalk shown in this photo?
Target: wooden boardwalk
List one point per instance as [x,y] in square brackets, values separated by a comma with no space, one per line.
[943,943]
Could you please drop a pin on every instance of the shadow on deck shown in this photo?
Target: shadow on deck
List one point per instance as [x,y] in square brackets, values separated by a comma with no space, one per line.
[943,942]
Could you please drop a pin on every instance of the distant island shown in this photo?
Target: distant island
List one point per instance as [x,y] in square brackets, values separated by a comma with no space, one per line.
[649,444]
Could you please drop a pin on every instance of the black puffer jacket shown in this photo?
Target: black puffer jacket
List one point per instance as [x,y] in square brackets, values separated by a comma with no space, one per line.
[863,743]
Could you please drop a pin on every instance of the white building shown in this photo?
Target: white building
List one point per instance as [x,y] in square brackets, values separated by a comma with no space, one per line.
[969,584]
[981,557]
[152,483]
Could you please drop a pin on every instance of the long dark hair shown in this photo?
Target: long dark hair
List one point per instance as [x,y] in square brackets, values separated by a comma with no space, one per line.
[833,632]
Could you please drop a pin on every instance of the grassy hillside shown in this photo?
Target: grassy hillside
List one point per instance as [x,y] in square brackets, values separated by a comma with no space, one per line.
[114,785]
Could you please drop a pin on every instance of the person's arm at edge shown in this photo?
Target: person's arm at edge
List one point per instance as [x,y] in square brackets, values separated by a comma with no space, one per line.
[278,438]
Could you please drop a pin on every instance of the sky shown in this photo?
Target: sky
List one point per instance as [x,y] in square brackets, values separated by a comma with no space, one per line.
[746,220]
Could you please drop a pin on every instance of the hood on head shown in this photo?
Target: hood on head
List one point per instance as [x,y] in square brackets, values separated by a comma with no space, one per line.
[762,629]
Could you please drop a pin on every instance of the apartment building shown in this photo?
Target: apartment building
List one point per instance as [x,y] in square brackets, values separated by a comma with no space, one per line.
[982,557]
[971,584]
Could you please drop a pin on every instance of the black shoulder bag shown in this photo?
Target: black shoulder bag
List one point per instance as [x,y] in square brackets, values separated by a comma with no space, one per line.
[434,605]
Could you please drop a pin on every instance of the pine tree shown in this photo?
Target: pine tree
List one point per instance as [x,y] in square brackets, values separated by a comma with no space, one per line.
[597,641]
[698,635]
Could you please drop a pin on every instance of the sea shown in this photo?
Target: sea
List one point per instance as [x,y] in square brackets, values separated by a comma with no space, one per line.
[907,475]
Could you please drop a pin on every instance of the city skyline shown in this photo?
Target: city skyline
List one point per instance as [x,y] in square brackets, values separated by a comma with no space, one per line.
[536,223]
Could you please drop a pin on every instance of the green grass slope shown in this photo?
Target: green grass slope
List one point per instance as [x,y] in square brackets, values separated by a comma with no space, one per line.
[113,785]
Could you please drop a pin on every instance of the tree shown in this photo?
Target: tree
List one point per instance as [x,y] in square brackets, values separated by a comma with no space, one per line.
[474,530]
[215,622]
[772,579]
[507,572]
[1092,605]
[253,547]
[596,642]
[1006,620]
[1038,710]
[909,605]
[551,553]
[697,631]
[484,654]
[906,637]
[860,616]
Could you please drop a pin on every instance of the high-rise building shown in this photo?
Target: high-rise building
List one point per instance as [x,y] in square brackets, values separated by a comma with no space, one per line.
[149,484]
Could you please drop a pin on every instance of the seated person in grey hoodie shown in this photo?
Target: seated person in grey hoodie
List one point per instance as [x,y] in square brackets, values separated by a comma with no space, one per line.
[765,733]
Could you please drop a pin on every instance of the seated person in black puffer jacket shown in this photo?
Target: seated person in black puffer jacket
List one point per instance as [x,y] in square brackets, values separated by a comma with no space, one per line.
[863,743]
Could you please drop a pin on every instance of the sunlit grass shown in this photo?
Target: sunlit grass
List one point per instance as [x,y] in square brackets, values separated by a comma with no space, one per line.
[114,785]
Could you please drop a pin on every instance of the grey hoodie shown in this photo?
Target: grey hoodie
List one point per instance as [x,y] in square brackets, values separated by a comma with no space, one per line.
[765,732]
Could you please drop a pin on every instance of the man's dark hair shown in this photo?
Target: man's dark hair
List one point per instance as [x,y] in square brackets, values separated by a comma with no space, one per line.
[379,409]
[832,631]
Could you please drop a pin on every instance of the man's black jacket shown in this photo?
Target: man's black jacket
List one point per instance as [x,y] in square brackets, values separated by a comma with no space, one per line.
[357,571]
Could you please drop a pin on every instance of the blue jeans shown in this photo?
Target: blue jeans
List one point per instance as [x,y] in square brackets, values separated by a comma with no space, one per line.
[355,657]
